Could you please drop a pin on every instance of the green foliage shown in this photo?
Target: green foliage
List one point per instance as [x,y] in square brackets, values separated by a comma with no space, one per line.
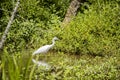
[33,22]
[42,10]
[27,34]
[15,67]
[95,32]
[63,67]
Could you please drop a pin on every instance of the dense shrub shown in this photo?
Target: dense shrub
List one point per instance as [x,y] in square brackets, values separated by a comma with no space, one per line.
[28,34]
[33,22]
[96,32]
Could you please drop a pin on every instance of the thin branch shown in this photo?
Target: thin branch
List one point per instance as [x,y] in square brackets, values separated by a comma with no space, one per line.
[8,26]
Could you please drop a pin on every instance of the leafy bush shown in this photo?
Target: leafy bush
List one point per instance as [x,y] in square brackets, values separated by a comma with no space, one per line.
[33,23]
[95,32]
[43,9]
[27,34]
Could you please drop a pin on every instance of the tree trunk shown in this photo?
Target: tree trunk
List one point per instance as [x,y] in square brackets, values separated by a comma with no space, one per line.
[71,12]
[8,26]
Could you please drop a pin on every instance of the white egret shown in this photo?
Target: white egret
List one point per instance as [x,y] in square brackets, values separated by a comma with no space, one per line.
[46,48]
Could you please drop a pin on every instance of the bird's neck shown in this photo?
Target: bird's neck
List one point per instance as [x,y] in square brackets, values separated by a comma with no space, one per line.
[53,42]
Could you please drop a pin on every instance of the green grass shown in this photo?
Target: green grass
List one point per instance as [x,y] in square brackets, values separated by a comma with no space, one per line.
[63,67]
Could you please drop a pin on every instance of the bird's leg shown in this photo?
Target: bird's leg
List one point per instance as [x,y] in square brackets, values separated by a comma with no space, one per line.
[41,57]
[45,57]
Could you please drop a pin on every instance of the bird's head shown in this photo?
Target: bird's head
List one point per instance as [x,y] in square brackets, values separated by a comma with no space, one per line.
[55,38]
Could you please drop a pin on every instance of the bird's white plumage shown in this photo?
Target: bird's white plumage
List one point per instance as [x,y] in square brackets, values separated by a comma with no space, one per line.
[45,49]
